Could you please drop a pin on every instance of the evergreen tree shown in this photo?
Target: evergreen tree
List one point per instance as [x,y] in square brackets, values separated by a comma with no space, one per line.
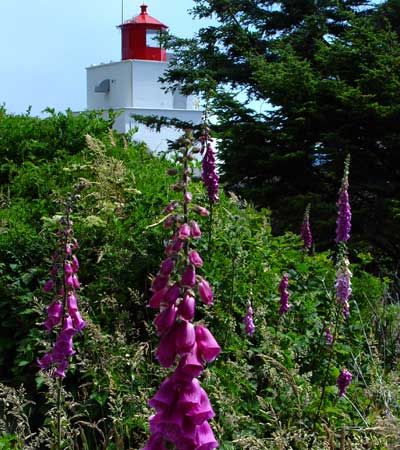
[297,85]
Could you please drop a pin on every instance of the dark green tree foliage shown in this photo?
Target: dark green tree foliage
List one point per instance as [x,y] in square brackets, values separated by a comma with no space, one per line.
[325,78]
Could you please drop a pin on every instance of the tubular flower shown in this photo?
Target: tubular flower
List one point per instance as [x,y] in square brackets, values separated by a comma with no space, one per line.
[343,285]
[306,230]
[284,295]
[63,314]
[209,172]
[343,222]
[182,406]
[343,381]
[248,321]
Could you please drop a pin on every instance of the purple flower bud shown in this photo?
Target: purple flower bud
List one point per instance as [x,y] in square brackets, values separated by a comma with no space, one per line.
[344,381]
[343,222]
[68,250]
[205,292]
[165,319]
[201,210]
[159,283]
[68,269]
[188,277]
[184,232]
[48,285]
[45,362]
[206,343]
[75,244]
[187,198]
[209,174]
[54,312]
[75,282]
[75,264]
[72,303]
[184,337]
[171,207]
[248,321]
[169,222]
[69,281]
[157,297]
[172,294]
[195,231]
[187,307]
[195,259]
[167,266]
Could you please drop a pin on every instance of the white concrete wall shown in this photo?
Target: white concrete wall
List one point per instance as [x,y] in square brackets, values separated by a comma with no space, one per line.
[120,76]
[147,90]
[135,89]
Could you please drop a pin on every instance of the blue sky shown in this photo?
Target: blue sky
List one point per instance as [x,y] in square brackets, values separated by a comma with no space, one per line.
[45,46]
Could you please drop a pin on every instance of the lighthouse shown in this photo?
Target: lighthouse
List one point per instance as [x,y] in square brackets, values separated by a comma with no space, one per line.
[132,87]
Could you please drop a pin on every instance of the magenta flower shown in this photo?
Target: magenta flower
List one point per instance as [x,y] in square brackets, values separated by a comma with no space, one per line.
[188,277]
[284,295]
[209,172]
[306,230]
[195,259]
[248,321]
[63,315]
[343,381]
[182,406]
[184,232]
[343,285]
[205,291]
[343,222]
[187,307]
[195,231]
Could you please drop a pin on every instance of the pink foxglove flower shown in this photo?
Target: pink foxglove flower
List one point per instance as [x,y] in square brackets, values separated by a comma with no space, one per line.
[248,321]
[343,222]
[63,315]
[209,171]
[343,381]
[343,285]
[182,406]
[306,230]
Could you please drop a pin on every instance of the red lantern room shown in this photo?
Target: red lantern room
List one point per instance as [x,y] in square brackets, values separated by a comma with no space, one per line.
[140,38]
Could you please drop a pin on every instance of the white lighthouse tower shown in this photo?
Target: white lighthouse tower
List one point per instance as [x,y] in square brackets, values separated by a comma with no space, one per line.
[131,85]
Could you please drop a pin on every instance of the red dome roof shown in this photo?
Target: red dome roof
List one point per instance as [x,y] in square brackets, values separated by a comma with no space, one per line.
[144,19]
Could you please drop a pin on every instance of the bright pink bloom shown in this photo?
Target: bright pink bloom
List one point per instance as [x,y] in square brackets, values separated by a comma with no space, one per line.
[188,277]
[195,231]
[186,308]
[195,259]
[184,232]
[205,292]
[165,319]
[167,266]
[206,343]
[185,337]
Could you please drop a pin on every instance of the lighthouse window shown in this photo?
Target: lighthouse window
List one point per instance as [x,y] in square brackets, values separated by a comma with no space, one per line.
[153,38]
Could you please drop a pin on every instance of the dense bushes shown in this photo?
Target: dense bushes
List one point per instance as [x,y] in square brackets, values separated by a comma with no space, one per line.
[265,390]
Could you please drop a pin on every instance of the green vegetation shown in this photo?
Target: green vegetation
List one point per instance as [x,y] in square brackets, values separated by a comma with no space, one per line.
[296,86]
[265,390]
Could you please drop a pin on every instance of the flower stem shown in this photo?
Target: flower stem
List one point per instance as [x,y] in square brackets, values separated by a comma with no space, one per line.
[59,401]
